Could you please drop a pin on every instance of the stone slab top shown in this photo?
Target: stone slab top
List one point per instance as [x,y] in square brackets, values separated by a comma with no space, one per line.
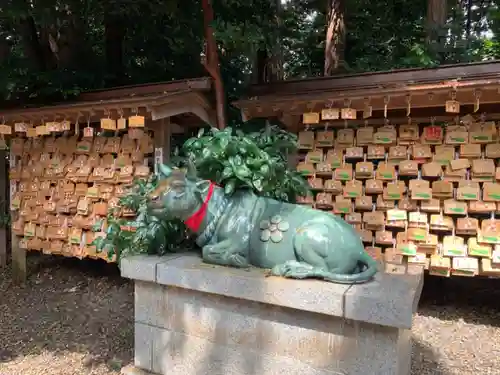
[388,300]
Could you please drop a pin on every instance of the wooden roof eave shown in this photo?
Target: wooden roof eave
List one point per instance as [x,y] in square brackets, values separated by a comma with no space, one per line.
[195,84]
[194,103]
[420,96]
[381,79]
[90,109]
[374,89]
[364,93]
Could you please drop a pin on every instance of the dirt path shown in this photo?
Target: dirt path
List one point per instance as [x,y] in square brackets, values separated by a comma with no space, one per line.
[68,320]
[71,320]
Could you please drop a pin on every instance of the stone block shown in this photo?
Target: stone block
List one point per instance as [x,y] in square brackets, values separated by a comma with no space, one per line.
[197,319]
[388,300]
[143,345]
[385,300]
[311,295]
[142,267]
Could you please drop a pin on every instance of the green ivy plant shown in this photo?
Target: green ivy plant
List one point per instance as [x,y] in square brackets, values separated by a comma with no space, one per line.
[143,234]
[257,161]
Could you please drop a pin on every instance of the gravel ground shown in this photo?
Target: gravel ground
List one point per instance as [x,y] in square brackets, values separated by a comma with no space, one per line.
[71,320]
[67,320]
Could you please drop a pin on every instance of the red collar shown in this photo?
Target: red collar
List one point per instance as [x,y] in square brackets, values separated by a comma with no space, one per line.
[195,220]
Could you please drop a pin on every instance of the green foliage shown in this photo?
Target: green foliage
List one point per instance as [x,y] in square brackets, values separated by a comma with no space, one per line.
[144,234]
[234,160]
[51,51]
[256,161]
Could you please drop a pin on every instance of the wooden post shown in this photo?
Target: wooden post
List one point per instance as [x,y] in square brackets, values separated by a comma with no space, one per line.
[19,271]
[162,132]
[3,197]
[3,247]
[167,134]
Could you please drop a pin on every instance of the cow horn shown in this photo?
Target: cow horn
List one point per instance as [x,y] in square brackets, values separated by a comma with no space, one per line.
[165,170]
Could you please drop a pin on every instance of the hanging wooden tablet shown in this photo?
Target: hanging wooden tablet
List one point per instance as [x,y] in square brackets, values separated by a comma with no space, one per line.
[65,126]
[108,124]
[121,123]
[88,132]
[348,114]
[5,129]
[330,114]
[41,130]
[136,121]
[452,106]
[20,127]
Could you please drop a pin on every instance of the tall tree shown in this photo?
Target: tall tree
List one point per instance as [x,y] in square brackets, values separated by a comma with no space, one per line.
[335,37]
[437,14]
[114,38]
[53,50]
[211,62]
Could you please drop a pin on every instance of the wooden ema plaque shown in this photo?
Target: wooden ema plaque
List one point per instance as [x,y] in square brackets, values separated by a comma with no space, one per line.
[428,194]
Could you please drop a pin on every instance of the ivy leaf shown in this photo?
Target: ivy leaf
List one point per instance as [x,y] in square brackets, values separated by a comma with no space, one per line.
[257,184]
[226,173]
[99,243]
[242,171]
[206,153]
[264,169]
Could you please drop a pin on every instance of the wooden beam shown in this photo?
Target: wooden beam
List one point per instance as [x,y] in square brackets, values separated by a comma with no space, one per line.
[73,109]
[202,84]
[266,107]
[359,97]
[482,70]
[173,109]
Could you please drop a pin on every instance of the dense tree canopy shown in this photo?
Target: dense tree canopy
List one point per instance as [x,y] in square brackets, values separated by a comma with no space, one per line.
[51,49]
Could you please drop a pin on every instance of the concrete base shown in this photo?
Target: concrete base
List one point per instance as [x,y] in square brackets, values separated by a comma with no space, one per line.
[196,319]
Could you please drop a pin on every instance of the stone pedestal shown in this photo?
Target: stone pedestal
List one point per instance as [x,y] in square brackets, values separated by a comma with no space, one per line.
[197,319]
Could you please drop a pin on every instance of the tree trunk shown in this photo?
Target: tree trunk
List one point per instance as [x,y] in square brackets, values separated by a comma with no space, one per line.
[437,13]
[275,64]
[73,51]
[259,73]
[268,63]
[468,25]
[335,37]
[114,35]
[33,48]
[4,50]
[211,63]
